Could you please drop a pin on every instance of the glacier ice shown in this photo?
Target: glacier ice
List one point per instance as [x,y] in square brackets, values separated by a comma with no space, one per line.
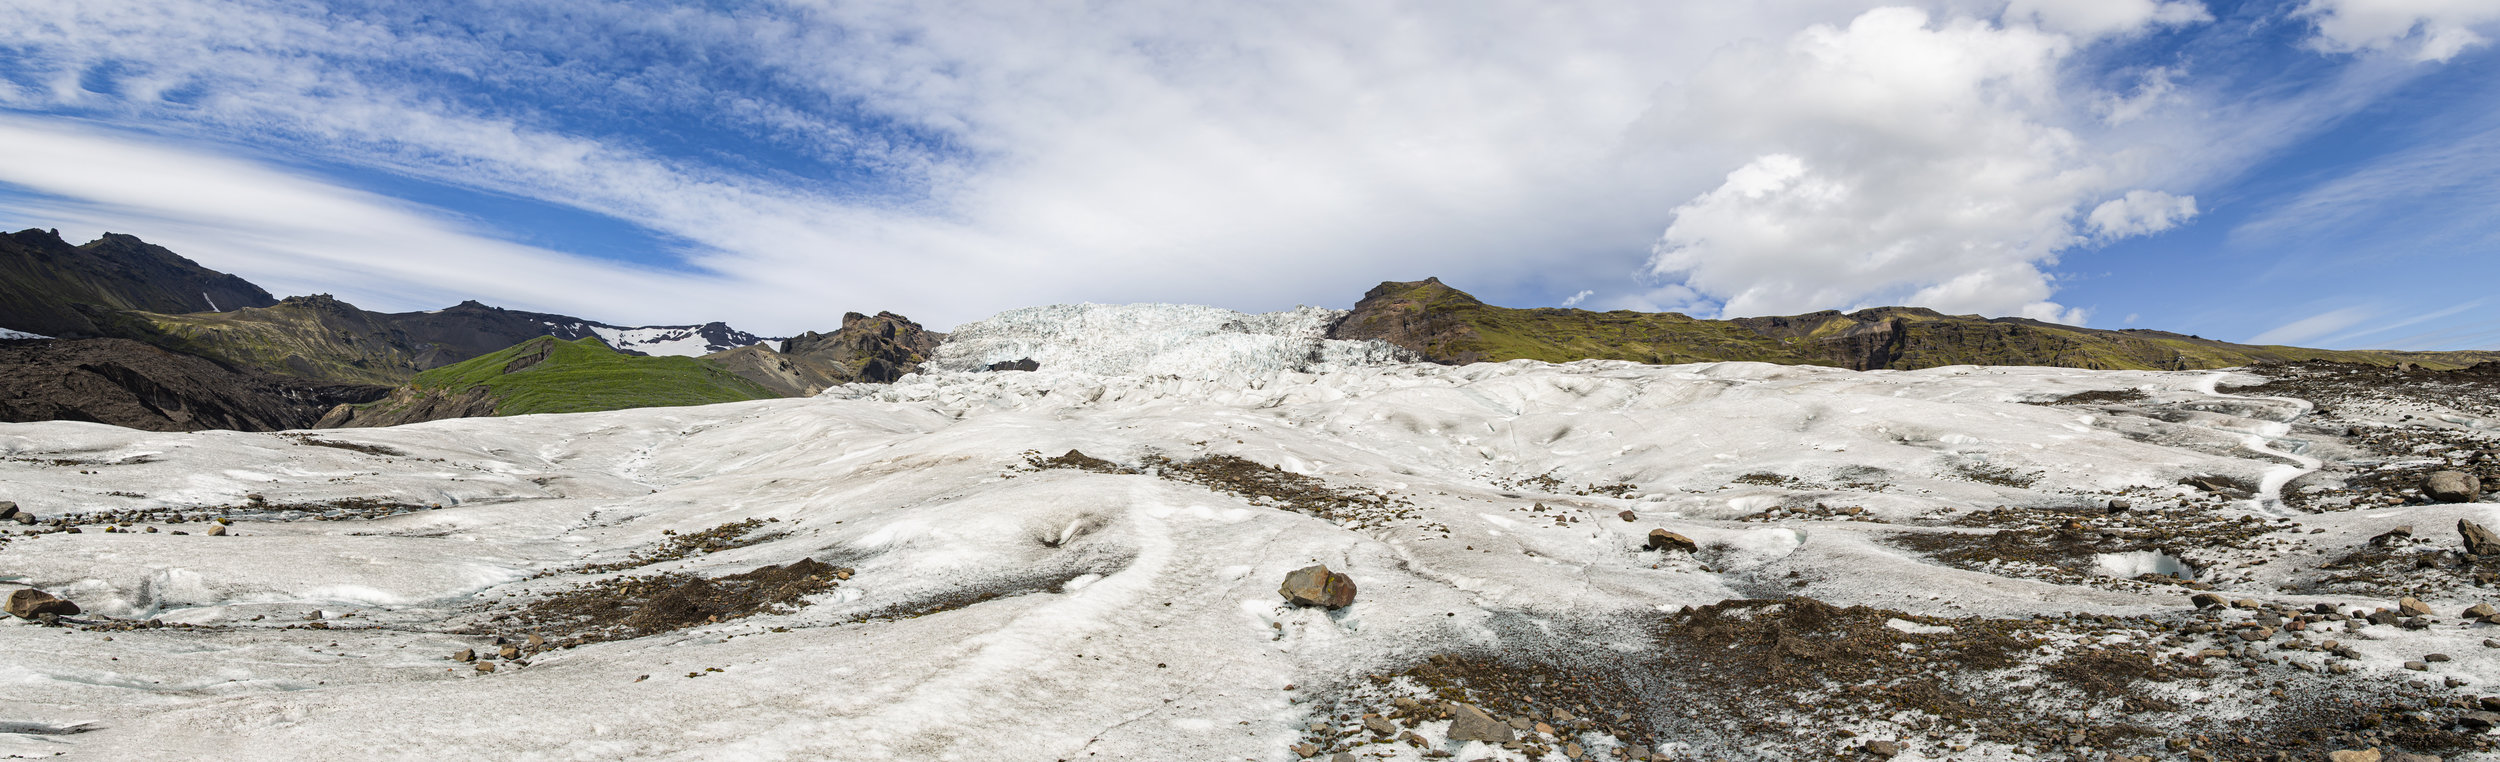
[1160,340]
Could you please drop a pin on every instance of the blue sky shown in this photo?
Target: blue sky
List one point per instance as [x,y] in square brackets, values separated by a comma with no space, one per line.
[2318,172]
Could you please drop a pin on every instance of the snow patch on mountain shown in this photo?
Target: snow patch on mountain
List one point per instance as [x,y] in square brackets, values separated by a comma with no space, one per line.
[9,334]
[1190,341]
[663,340]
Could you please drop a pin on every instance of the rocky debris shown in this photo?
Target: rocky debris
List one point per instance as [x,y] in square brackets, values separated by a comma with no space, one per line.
[876,350]
[1660,539]
[130,384]
[633,606]
[2350,755]
[1317,586]
[2219,485]
[30,603]
[1468,723]
[2392,537]
[2479,541]
[1026,364]
[2452,487]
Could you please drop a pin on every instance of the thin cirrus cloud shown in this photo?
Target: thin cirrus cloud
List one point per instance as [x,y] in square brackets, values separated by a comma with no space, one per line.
[787,162]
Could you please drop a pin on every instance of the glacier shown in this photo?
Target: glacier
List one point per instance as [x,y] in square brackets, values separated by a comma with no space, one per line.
[1125,612]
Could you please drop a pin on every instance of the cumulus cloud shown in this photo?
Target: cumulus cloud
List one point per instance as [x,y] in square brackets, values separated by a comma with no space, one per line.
[2424,30]
[2140,212]
[1899,158]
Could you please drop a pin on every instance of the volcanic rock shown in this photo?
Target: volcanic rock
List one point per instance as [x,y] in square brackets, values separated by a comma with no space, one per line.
[29,603]
[1317,586]
[2478,540]
[2452,487]
[1660,539]
[1468,723]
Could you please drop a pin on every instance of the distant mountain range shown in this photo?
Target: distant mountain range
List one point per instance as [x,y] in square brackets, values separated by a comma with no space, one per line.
[1448,326]
[142,337]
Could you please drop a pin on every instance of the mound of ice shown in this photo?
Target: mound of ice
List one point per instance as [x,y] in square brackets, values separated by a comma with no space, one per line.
[2143,562]
[1189,341]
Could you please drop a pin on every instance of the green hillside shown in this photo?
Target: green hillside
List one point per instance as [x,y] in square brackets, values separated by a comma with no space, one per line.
[549,375]
[1447,325]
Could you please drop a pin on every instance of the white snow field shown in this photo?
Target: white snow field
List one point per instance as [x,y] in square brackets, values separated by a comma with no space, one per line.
[9,334]
[1135,617]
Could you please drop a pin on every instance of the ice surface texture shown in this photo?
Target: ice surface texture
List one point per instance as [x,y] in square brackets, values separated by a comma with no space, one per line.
[1160,339]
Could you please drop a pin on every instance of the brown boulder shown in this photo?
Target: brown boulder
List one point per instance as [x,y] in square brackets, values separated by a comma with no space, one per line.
[2478,540]
[29,603]
[1317,586]
[1467,723]
[2452,487]
[1660,539]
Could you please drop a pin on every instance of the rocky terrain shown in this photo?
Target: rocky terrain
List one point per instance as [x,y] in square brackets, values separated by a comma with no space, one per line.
[127,383]
[1197,542]
[877,350]
[1446,325]
[51,288]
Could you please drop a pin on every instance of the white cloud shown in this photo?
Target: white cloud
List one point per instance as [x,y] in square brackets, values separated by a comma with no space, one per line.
[2099,18]
[2424,30]
[1891,160]
[2313,326]
[1576,299]
[2156,87]
[2140,212]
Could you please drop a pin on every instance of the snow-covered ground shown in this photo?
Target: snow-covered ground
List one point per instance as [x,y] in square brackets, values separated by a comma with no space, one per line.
[1136,616]
[1160,340]
[9,334]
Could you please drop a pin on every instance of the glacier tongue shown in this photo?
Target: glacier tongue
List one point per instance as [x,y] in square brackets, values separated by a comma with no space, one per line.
[1189,341]
[9,334]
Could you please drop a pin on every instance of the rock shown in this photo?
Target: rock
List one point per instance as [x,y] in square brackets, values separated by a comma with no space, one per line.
[29,603]
[2452,487]
[25,518]
[1883,749]
[465,655]
[2480,720]
[1317,586]
[1375,724]
[1467,723]
[1343,756]
[2411,606]
[2392,537]
[2399,756]
[2208,601]
[2366,755]
[2120,506]
[2481,611]
[1629,516]
[508,653]
[2435,658]
[217,531]
[1660,539]
[1026,364]
[485,667]
[2418,666]
[8,510]
[2478,540]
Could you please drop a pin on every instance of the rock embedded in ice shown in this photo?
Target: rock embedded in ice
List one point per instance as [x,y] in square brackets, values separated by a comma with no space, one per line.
[2452,487]
[8,510]
[2207,601]
[2411,606]
[1317,586]
[1660,539]
[2478,540]
[1468,723]
[30,603]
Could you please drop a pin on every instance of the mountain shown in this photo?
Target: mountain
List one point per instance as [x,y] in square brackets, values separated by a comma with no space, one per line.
[319,336]
[874,349]
[1449,326]
[550,375]
[128,383]
[51,288]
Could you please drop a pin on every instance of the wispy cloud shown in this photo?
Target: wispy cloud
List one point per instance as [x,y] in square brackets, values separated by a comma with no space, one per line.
[2313,326]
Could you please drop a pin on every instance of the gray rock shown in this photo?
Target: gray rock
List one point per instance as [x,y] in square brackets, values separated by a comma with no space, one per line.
[29,603]
[2481,720]
[2208,601]
[1660,539]
[8,510]
[2478,540]
[1467,723]
[1317,586]
[1883,749]
[2452,487]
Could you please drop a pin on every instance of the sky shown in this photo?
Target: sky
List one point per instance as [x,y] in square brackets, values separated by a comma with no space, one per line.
[2317,172]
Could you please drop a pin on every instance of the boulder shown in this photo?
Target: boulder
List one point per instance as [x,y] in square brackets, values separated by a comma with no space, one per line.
[8,510]
[1660,539]
[1467,723]
[2411,606]
[1317,586]
[2352,755]
[2478,540]
[29,603]
[1883,749]
[2392,537]
[1026,364]
[2208,601]
[2452,487]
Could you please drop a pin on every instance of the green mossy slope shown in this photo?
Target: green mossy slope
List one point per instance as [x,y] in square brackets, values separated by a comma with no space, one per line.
[549,375]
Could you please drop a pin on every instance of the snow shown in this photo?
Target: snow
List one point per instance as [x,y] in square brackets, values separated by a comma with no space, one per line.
[679,342]
[1160,339]
[1142,620]
[9,334]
